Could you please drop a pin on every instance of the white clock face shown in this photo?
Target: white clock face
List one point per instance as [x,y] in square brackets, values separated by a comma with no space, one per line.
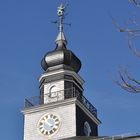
[49,124]
[87,129]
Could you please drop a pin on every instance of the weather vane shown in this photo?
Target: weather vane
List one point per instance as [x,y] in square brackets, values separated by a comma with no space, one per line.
[61,12]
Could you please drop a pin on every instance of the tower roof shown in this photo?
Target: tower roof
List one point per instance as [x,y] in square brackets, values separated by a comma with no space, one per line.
[61,41]
[61,57]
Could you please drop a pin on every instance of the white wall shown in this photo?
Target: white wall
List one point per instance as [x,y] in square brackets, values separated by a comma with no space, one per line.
[68,123]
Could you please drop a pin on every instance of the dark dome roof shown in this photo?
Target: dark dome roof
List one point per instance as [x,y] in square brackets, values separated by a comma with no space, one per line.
[61,58]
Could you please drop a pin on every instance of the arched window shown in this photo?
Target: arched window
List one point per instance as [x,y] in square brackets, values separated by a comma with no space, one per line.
[53,91]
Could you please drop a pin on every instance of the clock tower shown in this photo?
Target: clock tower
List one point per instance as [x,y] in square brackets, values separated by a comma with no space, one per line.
[60,111]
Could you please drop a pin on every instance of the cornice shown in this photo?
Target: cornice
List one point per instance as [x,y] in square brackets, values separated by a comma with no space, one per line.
[51,105]
[66,72]
[57,104]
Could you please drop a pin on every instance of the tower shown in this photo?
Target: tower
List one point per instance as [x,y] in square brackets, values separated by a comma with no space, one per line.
[61,110]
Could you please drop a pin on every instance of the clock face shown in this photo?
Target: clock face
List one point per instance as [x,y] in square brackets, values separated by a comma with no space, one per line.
[49,124]
[87,129]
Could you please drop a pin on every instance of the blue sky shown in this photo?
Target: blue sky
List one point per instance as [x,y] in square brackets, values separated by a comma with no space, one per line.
[26,34]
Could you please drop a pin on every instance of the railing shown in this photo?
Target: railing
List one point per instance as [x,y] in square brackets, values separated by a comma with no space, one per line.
[60,95]
[87,104]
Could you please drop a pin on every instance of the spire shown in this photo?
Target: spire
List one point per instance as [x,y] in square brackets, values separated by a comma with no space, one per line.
[61,41]
[61,57]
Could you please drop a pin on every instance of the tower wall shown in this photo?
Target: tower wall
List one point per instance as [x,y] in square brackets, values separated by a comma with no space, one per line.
[67,116]
[81,118]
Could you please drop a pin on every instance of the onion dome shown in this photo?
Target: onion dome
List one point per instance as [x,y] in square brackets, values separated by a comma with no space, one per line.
[61,57]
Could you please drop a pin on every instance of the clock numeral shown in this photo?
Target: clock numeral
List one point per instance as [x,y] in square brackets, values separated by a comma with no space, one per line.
[41,126]
[57,123]
[54,129]
[40,123]
[42,131]
[46,132]
[51,132]
[54,117]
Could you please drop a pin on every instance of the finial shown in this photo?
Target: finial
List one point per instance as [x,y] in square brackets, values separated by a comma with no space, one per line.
[61,41]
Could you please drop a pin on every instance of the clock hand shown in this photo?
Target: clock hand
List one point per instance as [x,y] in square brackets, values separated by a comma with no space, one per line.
[49,124]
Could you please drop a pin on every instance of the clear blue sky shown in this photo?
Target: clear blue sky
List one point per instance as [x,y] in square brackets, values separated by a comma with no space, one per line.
[26,34]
